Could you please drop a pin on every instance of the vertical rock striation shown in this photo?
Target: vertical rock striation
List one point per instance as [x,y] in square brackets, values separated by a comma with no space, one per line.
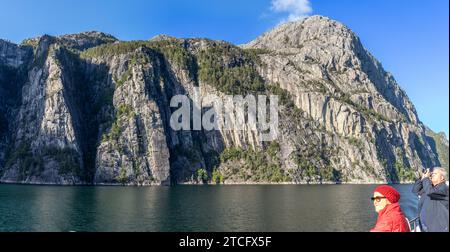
[89,109]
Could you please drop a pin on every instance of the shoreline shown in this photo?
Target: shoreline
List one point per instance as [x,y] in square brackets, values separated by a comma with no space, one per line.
[209,184]
[300,183]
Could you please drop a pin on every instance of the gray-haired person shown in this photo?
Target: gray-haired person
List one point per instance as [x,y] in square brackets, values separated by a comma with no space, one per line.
[433,205]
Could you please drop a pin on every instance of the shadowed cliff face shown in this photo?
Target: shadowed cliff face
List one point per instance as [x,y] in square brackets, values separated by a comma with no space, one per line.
[88,109]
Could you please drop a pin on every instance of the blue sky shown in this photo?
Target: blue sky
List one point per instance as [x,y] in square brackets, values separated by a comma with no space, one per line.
[409,37]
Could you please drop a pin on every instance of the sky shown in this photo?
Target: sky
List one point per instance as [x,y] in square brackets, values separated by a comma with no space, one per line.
[409,37]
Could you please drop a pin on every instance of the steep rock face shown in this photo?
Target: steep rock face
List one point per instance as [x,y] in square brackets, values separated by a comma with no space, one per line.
[134,149]
[45,147]
[88,109]
[13,55]
[340,85]
[13,61]
[439,144]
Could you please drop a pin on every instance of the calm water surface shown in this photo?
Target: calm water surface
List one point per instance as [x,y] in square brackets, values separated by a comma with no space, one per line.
[193,208]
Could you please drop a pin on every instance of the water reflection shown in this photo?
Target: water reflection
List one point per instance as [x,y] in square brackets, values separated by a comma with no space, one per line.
[193,208]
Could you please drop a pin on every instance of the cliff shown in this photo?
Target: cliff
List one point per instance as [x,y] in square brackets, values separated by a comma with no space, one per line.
[89,109]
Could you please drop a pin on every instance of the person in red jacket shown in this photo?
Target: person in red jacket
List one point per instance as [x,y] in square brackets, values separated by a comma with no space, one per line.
[390,215]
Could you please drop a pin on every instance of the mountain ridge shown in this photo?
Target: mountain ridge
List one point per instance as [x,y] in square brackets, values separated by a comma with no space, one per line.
[90,109]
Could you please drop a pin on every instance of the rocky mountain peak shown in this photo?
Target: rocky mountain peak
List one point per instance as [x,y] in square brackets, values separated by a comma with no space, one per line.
[91,35]
[315,30]
[85,40]
[78,42]
[340,55]
[162,37]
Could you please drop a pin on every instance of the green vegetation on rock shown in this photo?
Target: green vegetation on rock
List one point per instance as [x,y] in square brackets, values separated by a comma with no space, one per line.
[24,158]
[33,163]
[67,159]
[172,49]
[230,70]
[202,176]
[126,110]
[313,164]
[122,178]
[404,173]
[217,177]
[254,165]
[116,130]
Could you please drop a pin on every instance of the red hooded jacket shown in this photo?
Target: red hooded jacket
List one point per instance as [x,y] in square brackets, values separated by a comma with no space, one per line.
[391,219]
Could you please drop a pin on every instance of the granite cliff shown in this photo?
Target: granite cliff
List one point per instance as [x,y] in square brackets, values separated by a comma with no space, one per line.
[90,109]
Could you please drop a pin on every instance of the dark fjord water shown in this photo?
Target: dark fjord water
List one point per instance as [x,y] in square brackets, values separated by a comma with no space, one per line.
[193,208]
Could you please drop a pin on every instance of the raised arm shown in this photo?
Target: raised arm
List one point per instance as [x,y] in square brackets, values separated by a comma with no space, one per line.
[418,187]
[427,186]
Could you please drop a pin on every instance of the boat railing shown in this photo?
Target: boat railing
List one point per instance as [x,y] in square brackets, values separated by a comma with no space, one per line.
[414,225]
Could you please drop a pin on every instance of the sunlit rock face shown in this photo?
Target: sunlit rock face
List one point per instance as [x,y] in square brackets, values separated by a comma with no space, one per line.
[89,109]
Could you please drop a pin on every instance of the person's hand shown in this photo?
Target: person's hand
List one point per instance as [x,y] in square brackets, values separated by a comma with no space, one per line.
[426,174]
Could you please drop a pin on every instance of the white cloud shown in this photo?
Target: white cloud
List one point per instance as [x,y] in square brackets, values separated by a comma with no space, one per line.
[296,9]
